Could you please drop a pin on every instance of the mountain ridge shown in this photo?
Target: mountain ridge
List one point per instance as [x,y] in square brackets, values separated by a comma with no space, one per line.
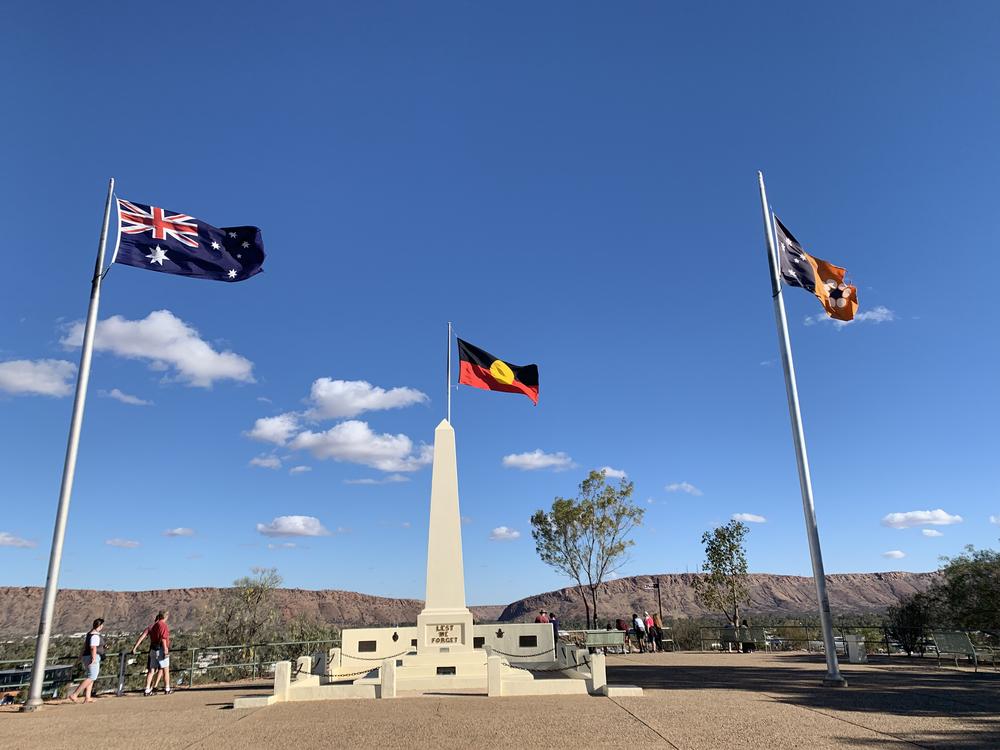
[771,594]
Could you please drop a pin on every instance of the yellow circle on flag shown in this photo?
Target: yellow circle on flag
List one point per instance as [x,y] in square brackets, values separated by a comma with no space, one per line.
[502,372]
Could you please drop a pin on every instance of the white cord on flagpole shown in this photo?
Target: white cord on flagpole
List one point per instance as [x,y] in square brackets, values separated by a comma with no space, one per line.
[448,376]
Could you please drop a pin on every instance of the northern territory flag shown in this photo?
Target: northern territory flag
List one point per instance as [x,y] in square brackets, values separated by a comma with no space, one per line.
[160,240]
[480,369]
[825,280]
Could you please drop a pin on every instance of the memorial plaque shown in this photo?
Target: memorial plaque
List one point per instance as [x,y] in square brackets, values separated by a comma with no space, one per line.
[444,634]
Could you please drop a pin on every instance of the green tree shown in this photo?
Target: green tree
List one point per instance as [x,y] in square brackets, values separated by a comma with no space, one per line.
[968,595]
[585,538]
[245,613]
[907,623]
[724,585]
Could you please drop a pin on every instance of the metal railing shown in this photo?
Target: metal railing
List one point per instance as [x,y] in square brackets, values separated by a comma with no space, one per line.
[213,663]
[878,639]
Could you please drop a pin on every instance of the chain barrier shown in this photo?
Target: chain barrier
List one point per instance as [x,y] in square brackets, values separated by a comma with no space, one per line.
[584,663]
[522,656]
[375,658]
[336,678]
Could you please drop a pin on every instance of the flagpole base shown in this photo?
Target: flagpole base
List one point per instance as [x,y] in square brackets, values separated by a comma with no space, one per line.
[28,706]
[834,681]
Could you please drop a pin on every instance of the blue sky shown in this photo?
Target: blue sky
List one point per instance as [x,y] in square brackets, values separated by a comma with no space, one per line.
[573,184]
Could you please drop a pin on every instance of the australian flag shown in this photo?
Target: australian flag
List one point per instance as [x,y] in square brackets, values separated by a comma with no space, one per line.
[160,240]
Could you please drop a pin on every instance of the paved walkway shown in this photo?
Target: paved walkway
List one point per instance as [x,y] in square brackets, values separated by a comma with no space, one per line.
[693,701]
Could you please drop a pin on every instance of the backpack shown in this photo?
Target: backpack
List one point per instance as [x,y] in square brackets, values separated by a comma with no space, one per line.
[86,644]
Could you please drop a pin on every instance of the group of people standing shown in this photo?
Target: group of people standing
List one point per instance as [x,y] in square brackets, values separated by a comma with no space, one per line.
[549,617]
[157,662]
[644,632]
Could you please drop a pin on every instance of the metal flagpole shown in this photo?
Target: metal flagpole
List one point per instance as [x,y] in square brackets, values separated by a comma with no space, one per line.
[69,469]
[833,677]
[448,376]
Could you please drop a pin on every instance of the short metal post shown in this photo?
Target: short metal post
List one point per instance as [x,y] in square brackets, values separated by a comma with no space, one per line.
[122,658]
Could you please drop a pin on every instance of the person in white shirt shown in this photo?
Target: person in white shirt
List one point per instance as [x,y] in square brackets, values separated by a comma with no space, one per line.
[640,631]
[93,650]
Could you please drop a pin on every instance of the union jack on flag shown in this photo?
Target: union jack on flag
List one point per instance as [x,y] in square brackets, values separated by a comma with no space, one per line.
[156,239]
[136,219]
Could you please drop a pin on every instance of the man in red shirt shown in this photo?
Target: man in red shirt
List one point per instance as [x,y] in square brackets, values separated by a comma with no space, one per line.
[159,653]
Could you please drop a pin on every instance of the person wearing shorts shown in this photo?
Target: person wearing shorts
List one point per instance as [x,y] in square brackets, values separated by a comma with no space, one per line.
[93,650]
[158,663]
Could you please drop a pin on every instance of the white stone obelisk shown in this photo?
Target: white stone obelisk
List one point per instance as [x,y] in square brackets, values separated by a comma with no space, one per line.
[445,624]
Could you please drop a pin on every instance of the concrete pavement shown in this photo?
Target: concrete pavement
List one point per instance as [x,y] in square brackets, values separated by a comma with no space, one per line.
[693,701]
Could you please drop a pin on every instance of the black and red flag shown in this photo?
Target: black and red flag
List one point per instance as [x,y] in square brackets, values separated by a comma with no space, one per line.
[480,369]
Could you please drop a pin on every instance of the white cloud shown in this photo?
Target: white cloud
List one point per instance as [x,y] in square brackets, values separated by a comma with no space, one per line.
[767,363]
[538,459]
[299,469]
[336,399]
[920,518]
[879,314]
[123,543]
[504,534]
[613,473]
[466,520]
[125,398]
[749,518]
[894,554]
[38,377]
[355,442]
[9,540]
[179,531]
[391,479]
[166,342]
[931,532]
[995,519]
[266,462]
[406,524]
[684,487]
[283,545]
[277,430]
[293,526]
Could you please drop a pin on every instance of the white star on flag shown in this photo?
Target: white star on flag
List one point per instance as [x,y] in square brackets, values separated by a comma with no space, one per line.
[233,235]
[232,273]
[215,245]
[246,245]
[157,256]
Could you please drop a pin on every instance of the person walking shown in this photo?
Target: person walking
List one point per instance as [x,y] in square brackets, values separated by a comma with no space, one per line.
[650,632]
[93,650]
[159,653]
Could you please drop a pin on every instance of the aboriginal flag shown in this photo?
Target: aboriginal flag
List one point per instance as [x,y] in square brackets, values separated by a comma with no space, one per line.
[825,280]
[480,369]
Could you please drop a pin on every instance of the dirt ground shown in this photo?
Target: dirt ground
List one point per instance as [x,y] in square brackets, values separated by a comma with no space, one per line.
[692,701]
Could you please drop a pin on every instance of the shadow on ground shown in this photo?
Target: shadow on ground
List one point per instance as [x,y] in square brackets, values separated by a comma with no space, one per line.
[894,688]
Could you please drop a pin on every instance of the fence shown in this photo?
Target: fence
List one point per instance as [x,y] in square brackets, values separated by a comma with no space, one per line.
[878,639]
[123,671]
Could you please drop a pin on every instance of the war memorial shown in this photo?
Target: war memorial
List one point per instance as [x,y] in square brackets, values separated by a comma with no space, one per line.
[445,650]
